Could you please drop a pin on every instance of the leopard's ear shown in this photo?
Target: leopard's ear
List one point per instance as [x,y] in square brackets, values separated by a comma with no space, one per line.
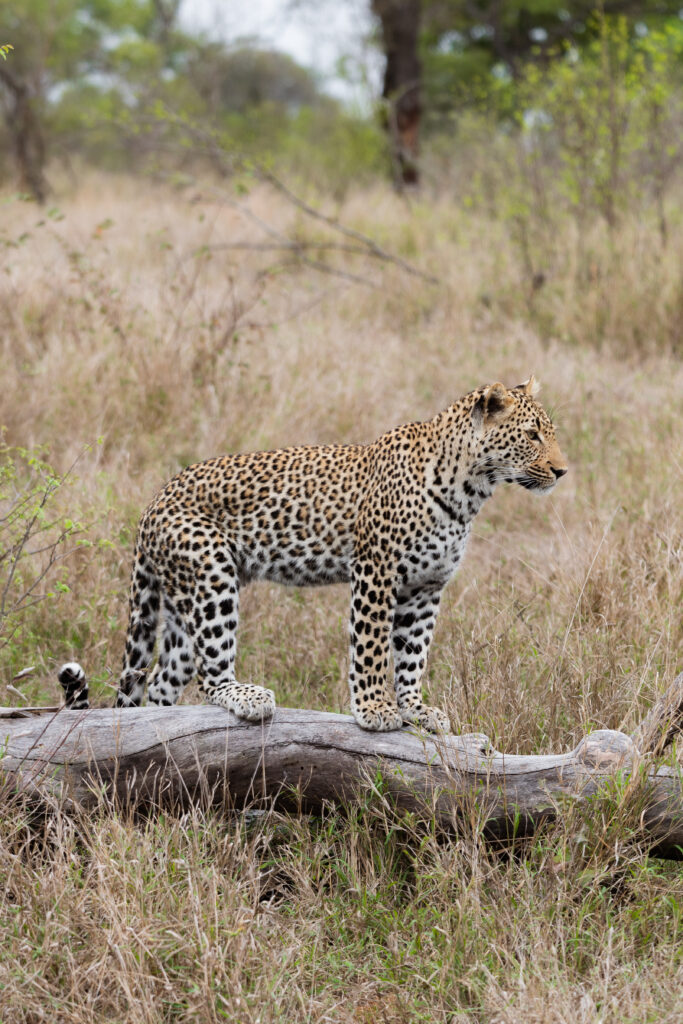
[530,387]
[493,406]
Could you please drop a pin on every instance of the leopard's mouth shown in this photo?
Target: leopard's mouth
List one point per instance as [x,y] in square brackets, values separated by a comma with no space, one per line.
[541,485]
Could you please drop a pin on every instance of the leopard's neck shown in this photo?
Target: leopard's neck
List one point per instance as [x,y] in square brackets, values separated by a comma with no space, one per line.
[456,477]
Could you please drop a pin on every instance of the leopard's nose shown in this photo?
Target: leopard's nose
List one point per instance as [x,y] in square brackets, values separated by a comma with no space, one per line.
[559,471]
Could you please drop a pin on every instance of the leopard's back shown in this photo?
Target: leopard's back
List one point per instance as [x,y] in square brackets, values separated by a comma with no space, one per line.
[287,515]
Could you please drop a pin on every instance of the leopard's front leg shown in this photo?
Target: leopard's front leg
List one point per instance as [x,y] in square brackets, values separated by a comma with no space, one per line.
[373,597]
[413,627]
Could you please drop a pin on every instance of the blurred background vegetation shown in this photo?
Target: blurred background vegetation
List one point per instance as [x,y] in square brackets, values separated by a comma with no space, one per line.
[541,103]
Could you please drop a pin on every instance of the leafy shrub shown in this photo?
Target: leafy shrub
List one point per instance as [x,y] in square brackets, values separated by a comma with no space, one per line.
[606,119]
[35,540]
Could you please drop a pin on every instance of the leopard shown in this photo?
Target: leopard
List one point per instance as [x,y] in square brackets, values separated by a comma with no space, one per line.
[391,518]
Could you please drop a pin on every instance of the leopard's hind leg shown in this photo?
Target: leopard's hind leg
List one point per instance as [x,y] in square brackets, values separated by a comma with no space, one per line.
[144,604]
[205,595]
[214,615]
[175,667]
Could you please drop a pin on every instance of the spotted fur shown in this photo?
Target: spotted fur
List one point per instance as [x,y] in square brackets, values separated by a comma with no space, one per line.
[391,517]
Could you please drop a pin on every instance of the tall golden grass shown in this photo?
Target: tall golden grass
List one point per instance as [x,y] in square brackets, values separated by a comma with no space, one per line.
[127,322]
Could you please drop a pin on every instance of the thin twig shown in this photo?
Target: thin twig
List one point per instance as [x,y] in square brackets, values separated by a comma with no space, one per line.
[229,164]
[284,246]
[371,246]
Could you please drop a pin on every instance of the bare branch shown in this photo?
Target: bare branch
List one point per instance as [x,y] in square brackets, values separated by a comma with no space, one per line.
[228,164]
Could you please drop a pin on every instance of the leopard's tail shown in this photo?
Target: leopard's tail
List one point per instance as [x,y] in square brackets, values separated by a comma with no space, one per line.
[72,680]
[145,602]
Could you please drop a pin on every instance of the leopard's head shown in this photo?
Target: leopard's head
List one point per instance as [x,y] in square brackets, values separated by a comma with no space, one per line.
[516,438]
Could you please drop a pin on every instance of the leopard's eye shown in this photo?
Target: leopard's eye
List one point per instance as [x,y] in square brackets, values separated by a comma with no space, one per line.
[533,435]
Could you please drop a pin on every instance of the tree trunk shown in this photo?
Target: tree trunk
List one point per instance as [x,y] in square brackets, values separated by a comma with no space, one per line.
[181,755]
[25,134]
[400,24]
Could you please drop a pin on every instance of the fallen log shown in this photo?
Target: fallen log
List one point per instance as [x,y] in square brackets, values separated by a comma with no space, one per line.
[141,756]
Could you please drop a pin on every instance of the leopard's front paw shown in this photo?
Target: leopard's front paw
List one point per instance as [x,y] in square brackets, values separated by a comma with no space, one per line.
[245,699]
[378,716]
[431,719]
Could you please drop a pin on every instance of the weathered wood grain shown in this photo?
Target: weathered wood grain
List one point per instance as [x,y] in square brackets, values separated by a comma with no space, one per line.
[184,754]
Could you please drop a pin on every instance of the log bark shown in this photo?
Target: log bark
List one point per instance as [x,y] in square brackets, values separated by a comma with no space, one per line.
[182,755]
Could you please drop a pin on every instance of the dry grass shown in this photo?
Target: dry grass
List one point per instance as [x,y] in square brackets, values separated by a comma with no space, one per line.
[121,325]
